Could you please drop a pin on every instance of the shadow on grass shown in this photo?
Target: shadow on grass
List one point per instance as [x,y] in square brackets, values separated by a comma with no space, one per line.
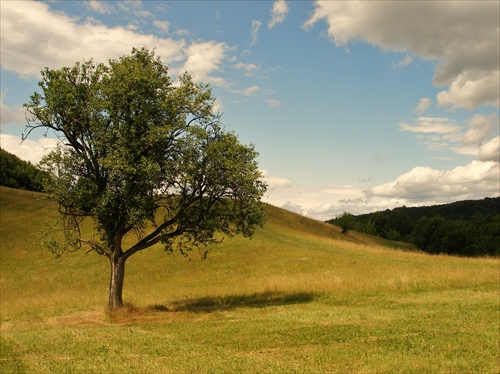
[256,300]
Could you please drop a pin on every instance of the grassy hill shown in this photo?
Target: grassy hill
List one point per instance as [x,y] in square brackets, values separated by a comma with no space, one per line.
[298,297]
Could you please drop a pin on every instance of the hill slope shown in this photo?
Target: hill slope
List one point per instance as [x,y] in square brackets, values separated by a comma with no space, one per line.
[291,251]
[298,297]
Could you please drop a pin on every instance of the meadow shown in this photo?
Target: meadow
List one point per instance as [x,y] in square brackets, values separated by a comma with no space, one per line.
[299,297]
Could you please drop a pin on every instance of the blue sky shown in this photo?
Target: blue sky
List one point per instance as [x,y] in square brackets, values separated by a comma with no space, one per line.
[353,106]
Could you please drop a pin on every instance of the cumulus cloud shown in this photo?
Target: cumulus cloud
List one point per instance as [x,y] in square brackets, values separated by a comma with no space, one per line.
[278,13]
[471,90]
[490,151]
[423,105]
[479,128]
[28,150]
[472,181]
[33,37]
[205,58]
[256,24]
[461,37]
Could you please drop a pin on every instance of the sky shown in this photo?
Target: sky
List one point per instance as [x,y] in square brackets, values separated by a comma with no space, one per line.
[353,106]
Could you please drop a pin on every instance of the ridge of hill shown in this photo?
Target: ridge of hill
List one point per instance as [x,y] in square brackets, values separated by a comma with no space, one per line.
[463,210]
[465,228]
[23,201]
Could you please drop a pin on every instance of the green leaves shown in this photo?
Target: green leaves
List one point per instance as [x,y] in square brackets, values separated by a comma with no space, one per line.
[136,142]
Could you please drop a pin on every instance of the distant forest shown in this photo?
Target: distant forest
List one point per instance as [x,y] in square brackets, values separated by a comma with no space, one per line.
[17,173]
[465,228]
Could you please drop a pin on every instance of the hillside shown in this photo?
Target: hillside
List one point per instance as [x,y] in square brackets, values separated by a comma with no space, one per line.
[298,297]
[466,228]
[17,173]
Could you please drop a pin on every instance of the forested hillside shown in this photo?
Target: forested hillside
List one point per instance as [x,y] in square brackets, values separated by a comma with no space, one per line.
[466,228]
[17,173]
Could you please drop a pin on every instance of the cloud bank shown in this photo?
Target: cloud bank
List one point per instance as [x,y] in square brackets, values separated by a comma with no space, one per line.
[462,37]
[28,150]
[33,37]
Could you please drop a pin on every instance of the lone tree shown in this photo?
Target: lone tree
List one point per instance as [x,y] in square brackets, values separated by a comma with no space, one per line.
[141,155]
[345,221]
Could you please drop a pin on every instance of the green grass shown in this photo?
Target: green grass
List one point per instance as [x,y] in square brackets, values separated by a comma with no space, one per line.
[298,297]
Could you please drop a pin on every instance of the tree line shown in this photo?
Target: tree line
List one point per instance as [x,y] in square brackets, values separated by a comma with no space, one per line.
[465,228]
[20,174]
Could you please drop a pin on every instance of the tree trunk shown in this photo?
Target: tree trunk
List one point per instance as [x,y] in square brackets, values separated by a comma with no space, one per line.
[116,281]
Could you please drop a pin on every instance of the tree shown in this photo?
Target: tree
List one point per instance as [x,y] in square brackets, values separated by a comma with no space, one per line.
[139,148]
[345,221]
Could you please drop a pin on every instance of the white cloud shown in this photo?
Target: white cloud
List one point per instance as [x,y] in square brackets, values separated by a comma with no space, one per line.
[423,105]
[252,90]
[134,7]
[102,7]
[278,12]
[490,151]
[471,90]
[273,103]
[462,37]
[205,58]
[419,187]
[33,37]
[163,26]
[438,125]
[246,67]
[475,180]
[182,32]
[256,24]
[275,183]
[480,128]
[218,106]
[405,61]
[321,202]
[28,150]
[439,133]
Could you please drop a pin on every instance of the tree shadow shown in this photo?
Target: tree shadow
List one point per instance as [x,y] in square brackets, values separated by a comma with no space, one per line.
[228,302]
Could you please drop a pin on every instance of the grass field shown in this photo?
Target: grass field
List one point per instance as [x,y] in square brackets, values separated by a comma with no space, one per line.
[297,298]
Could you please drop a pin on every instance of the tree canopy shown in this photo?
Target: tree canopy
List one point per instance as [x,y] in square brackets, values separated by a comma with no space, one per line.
[17,173]
[144,154]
